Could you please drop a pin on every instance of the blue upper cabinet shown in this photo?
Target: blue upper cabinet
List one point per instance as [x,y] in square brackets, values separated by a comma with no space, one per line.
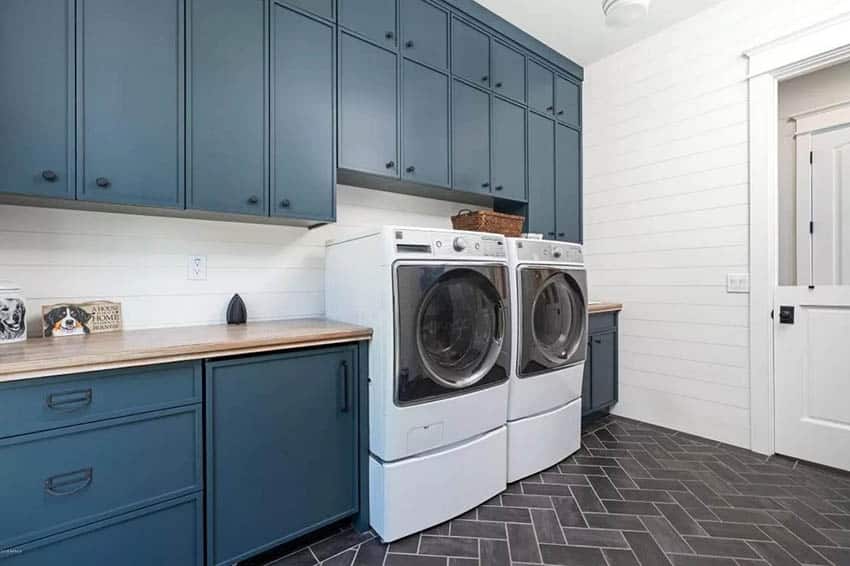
[130,102]
[425,33]
[508,150]
[373,19]
[425,125]
[568,102]
[541,175]
[368,107]
[470,138]
[323,8]
[541,88]
[470,53]
[568,200]
[303,134]
[227,109]
[36,97]
[508,72]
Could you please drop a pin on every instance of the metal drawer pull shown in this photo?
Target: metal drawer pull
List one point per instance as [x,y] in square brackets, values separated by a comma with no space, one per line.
[68,484]
[70,400]
[344,367]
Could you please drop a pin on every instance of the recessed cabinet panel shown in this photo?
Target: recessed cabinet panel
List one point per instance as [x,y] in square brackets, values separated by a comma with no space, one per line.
[470,139]
[228,120]
[568,197]
[541,175]
[603,359]
[425,33]
[541,88]
[324,8]
[130,105]
[508,150]
[425,126]
[36,90]
[374,19]
[367,108]
[508,72]
[568,98]
[470,53]
[303,169]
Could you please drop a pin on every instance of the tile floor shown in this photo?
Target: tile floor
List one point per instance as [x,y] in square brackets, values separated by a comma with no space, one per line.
[634,495]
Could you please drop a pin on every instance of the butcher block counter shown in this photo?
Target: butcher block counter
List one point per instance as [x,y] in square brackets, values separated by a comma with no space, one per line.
[40,357]
[596,308]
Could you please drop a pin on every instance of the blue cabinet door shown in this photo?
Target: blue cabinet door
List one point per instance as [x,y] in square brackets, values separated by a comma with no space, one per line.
[227,111]
[130,102]
[425,33]
[470,138]
[374,19]
[603,370]
[541,88]
[541,175]
[568,102]
[303,164]
[36,97]
[425,125]
[508,72]
[508,150]
[282,448]
[568,192]
[470,53]
[368,119]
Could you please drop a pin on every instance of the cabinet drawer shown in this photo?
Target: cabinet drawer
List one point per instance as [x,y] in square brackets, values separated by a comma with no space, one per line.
[602,321]
[169,533]
[43,404]
[62,479]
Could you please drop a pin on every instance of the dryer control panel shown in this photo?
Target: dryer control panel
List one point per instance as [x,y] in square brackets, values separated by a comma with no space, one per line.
[548,252]
[448,244]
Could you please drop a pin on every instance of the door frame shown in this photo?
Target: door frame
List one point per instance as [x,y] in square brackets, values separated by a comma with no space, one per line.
[802,52]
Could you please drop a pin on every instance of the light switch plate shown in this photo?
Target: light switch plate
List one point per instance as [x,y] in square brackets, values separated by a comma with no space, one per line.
[738,283]
[197,268]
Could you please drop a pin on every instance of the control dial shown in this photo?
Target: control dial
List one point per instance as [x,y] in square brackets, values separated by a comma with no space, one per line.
[459,244]
[557,253]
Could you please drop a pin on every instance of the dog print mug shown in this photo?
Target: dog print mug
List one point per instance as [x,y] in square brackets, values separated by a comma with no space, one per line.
[13,314]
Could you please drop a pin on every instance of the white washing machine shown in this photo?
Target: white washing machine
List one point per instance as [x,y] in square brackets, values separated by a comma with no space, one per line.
[439,363]
[549,294]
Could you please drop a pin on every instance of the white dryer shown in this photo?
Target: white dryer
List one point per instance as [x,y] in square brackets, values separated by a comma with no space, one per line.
[549,290]
[439,304]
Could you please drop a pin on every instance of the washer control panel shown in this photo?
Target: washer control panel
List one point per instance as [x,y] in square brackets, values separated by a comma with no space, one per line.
[550,252]
[470,245]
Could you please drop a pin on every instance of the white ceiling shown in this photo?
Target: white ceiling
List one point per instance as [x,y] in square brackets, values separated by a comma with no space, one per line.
[577,28]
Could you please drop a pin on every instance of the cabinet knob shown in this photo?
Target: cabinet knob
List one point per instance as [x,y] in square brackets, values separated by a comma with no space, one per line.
[390,164]
[485,185]
[284,203]
[102,182]
[560,112]
[253,199]
[597,340]
[499,187]
[550,108]
[561,234]
[550,233]
[411,169]
[498,85]
[409,44]
[389,35]
[49,176]
[485,78]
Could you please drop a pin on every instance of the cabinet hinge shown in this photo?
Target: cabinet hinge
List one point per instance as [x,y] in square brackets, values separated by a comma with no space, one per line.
[811,157]
[811,226]
[771,314]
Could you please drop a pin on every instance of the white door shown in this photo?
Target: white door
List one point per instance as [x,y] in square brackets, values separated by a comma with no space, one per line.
[812,375]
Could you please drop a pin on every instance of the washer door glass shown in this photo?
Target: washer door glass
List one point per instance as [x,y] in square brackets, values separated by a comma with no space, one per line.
[460,329]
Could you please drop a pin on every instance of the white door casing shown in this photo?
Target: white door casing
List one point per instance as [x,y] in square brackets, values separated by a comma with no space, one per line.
[813,375]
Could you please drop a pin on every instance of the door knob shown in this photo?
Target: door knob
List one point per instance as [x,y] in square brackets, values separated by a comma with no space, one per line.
[485,78]
[409,44]
[102,182]
[284,203]
[498,85]
[390,164]
[253,199]
[786,315]
[499,187]
[49,176]
[411,169]
[389,35]
[485,185]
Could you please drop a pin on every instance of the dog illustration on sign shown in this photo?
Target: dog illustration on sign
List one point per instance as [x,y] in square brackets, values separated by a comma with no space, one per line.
[12,319]
[66,320]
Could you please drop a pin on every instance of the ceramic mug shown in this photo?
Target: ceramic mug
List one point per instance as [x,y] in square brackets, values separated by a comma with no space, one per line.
[13,314]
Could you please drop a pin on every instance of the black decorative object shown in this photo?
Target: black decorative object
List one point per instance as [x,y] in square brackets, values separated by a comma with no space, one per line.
[236,311]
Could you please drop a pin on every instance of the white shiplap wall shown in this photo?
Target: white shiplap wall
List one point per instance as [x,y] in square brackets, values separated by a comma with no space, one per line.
[666,209]
[65,255]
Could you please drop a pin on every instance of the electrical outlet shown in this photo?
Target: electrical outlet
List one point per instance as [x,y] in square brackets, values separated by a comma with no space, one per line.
[197,268]
[738,283]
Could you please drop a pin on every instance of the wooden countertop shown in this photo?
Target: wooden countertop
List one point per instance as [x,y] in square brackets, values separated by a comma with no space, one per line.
[604,307]
[40,357]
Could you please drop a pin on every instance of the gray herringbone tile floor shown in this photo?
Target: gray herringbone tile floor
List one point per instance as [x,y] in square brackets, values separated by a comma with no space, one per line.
[634,495]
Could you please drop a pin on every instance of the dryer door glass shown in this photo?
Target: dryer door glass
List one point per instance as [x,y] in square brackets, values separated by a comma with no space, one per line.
[454,335]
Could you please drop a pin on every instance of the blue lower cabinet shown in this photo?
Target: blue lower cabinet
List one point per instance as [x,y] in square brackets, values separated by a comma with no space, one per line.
[69,477]
[282,448]
[600,387]
[163,534]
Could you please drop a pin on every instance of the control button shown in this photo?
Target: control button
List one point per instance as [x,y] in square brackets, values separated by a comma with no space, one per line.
[438,243]
[477,246]
[556,253]
[459,244]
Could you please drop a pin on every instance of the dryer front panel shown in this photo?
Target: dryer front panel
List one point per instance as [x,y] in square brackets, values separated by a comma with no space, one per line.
[452,324]
[553,319]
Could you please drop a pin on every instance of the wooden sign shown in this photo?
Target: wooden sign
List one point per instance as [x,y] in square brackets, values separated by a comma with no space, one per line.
[82,318]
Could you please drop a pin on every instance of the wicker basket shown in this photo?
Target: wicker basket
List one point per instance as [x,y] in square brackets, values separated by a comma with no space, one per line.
[488,221]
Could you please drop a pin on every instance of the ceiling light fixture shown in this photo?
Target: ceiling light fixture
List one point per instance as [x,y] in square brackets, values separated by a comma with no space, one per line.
[622,13]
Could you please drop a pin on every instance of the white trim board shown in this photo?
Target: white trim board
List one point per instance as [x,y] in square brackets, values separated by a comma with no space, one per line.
[802,52]
[822,118]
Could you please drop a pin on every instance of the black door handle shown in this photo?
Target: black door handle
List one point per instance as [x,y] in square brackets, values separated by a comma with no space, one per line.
[343,366]
[786,315]
[253,199]
[561,234]
[390,164]
[389,35]
[499,187]
[485,78]
[284,203]
[485,185]
[411,169]
[49,176]
[102,182]
[498,85]
[409,44]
